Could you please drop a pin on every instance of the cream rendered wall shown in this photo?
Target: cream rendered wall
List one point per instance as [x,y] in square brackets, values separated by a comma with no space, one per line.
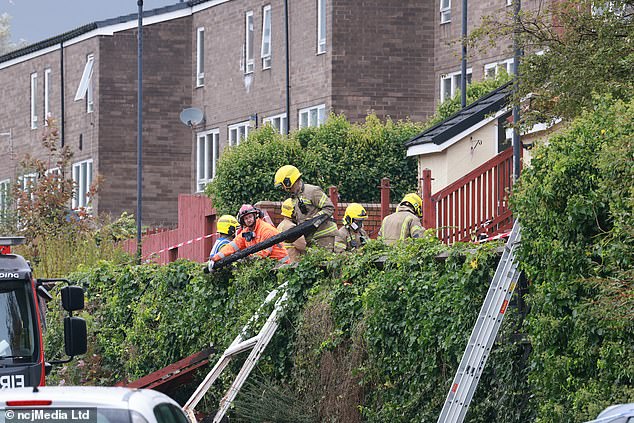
[461,158]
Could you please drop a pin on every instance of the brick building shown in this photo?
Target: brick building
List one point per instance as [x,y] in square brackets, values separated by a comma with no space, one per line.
[228,59]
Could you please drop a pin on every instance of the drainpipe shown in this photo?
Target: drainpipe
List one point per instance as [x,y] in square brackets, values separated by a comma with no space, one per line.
[288,72]
[61,77]
[463,67]
[516,107]
[139,164]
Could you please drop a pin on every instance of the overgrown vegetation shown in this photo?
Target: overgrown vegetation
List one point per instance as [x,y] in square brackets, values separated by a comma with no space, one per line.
[361,341]
[58,238]
[585,50]
[576,203]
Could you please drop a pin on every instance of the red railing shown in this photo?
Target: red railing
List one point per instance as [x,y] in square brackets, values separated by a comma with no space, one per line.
[474,205]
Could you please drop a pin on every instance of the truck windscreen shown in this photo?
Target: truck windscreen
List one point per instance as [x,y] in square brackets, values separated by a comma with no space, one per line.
[17,325]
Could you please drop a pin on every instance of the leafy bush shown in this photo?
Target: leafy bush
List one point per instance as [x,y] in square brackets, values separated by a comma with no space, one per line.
[576,204]
[352,157]
[395,335]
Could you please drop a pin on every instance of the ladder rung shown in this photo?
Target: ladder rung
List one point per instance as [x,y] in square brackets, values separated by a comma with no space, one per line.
[242,346]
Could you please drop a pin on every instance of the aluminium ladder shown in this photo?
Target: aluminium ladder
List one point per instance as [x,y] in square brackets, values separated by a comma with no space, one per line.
[257,344]
[483,334]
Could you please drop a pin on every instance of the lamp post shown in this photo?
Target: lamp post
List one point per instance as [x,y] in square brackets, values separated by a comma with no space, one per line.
[139,163]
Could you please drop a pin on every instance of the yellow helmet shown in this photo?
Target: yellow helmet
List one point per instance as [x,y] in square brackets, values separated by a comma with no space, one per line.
[227,225]
[286,176]
[288,208]
[354,211]
[415,201]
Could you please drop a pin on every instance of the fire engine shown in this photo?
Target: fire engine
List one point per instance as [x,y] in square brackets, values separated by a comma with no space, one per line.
[22,322]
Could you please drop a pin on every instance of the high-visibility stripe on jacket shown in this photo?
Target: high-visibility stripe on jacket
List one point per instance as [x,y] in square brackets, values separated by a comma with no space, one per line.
[295,248]
[312,202]
[220,242]
[261,232]
[401,225]
[347,239]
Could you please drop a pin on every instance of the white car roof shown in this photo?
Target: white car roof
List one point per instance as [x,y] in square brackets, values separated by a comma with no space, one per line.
[140,400]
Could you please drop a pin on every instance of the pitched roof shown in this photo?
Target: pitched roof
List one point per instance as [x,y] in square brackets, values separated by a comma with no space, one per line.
[40,45]
[464,119]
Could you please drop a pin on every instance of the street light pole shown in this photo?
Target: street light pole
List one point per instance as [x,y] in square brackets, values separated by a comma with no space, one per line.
[139,164]
[463,65]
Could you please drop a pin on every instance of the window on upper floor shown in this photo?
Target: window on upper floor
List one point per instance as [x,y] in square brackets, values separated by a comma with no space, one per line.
[207,151]
[34,100]
[84,90]
[249,61]
[491,70]
[200,57]
[321,26]
[5,196]
[47,91]
[238,132]
[445,11]
[278,122]
[266,37]
[82,180]
[312,116]
[450,84]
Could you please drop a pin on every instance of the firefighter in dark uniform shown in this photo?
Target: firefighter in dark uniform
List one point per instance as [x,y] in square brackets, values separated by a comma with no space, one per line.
[405,222]
[352,235]
[310,202]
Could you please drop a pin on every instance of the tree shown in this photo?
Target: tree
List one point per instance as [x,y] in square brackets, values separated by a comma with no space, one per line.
[6,45]
[587,50]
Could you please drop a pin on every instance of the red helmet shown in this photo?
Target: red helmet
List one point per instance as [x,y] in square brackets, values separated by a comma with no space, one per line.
[248,209]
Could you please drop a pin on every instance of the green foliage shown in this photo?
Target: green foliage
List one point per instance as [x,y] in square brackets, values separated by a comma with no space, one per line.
[576,204]
[352,157]
[584,53]
[58,239]
[356,340]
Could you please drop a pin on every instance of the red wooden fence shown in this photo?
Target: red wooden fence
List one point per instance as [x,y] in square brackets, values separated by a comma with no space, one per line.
[474,205]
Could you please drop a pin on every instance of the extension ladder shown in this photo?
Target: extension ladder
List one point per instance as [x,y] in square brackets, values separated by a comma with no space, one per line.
[257,344]
[483,334]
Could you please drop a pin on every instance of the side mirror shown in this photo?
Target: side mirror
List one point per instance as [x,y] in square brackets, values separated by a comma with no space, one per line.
[75,336]
[72,298]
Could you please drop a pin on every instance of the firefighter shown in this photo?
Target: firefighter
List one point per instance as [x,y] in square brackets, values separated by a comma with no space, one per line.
[310,201]
[405,222]
[297,247]
[254,230]
[352,235]
[227,226]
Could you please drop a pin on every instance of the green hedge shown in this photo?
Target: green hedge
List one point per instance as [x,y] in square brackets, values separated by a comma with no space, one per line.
[576,204]
[352,157]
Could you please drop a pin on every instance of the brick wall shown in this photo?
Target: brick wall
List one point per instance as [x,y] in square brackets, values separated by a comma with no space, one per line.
[167,143]
[382,58]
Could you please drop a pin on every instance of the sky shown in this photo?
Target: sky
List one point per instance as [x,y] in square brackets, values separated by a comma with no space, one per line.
[36,20]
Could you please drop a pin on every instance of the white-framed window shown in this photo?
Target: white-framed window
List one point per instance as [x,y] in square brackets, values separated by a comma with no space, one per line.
[27,183]
[207,153]
[84,90]
[82,180]
[47,91]
[34,100]
[445,11]
[450,84]
[200,57]
[491,70]
[266,37]
[249,61]
[312,116]
[278,122]
[321,26]
[238,132]
[5,195]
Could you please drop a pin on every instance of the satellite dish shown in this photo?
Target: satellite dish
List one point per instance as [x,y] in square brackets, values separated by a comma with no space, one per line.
[191,116]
